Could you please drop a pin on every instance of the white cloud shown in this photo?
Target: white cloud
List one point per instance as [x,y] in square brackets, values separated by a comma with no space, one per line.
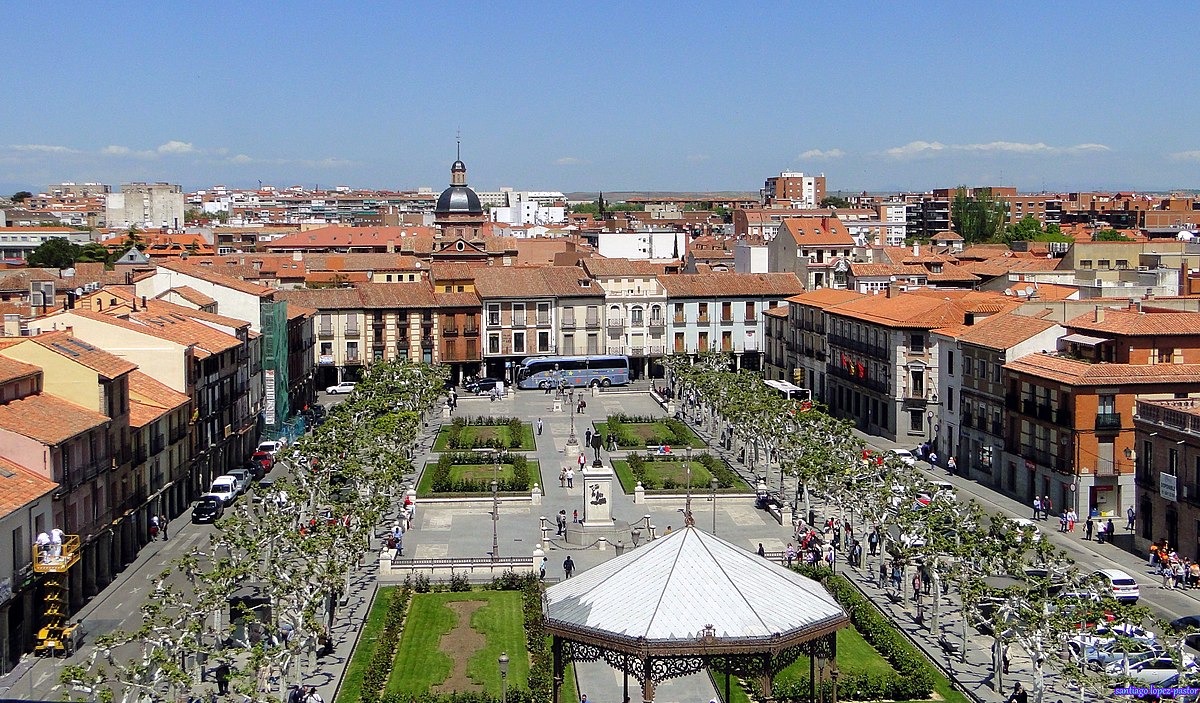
[826,154]
[697,158]
[570,161]
[114,150]
[43,148]
[1186,155]
[923,148]
[176,147]
[240,159]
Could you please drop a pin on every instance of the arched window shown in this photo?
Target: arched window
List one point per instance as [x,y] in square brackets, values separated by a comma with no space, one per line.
[614,313]
[635,315]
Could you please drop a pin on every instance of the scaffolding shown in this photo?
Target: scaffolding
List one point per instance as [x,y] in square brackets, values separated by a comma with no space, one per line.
[55,560]
[276,402]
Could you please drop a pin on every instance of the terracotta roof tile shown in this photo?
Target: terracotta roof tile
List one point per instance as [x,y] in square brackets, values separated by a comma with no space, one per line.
[608,267]
[64,344]
[339,236]
[150,399]
[825,297]
[861,270]
[191,295]
[924,309]
[20,487]
[206,273]
[48,419]
[1141,324]
[12,370]
[722,285]
[1004,330]
[817,231]
[1080,373]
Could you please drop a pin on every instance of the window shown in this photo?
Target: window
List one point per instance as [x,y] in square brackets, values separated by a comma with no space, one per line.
[493,342]
[950,399]
[326,348]
[727,341]
[1107,404]
[518,315]
[446,289]
[981,369]
[543,342]
[1085,264]
[543,313]
[1122,263]
[656,314]
[635,315]
[916,343]
[996,369]
[1173,461]
[19,546]
[702,315]
[568,344]
[493,310]
[1104,264]
[916,420]
[593,343]
[679,345]
[950,364]
[726,312]
[351,351]
[518,342]
[702,342]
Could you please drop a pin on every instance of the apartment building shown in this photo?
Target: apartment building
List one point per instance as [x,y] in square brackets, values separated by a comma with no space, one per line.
[635,304]
[807,341]
[19,242]
[793,189]
[724,312]
[27,512]
[971,359]
[816,249]
[385,321]
[145,205]
[775,346]
[524,310]
[1167,456]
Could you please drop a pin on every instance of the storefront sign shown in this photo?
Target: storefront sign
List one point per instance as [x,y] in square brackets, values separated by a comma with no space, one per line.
[1166,486]
[269,397]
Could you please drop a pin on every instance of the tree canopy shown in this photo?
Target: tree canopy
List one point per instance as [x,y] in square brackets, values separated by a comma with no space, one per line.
[21,196]
[979,216]
[1110,235]
[834,201]
[1030,229]
[55,253]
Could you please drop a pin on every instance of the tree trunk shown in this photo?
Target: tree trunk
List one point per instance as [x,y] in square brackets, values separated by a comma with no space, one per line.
[997,665]
[937,601]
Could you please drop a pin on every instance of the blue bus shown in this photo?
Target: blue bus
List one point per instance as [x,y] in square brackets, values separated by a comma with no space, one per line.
[550,371]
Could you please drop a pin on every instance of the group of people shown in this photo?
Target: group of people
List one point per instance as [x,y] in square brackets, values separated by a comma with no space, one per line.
[561,520]
[50,545]
[927,453]
[158,524]
[1176,571]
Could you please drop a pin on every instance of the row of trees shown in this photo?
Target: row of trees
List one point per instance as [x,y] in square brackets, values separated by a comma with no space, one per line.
[298,546]
[980,216]
[1007,577]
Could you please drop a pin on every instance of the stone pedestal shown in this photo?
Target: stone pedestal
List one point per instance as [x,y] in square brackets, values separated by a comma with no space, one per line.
[558,405]
[446,411]
[596,519]
[595,391]
[536,494]
[572,449]
[639,494]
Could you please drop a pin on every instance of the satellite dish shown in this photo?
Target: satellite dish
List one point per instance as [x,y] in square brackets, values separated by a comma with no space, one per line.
[78,291]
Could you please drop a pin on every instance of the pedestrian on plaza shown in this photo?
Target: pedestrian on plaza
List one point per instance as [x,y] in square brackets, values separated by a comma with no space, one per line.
[313,696]
[153,527]
[1100,532]
[582,405]
[933,458]
[568,566]
[952,466]
[1018,695]
[562,478]
[1167,574]
[562,522]
[583,698]
[162,525]
[575,516]
[542,569]
[1037,508]
[1072,518]
[1087,529]
[761,552]
[295,694]
[873,542]
[1130,514]
[1110,530]
[539,426]
[856,553]
[612,441]
[1178,572]
[916,584]
[222,673]
[1047,506]
[587,438]
[571,477]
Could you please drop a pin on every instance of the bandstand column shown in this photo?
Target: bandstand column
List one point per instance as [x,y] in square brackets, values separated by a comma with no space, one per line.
[556,647]
[647,680]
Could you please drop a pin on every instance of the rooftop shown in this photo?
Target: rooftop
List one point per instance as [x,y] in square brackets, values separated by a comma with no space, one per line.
[107,365]
[149,399]
[20,487]
[48,419]
[13,370]
[724,285]
[1004,330]
[1065,369]
[1147,322]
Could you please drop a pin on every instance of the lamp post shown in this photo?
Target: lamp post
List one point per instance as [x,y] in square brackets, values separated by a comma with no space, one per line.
[503,677]
[821,661]
[714,483]
[688,520]
[929,425]
[495,515]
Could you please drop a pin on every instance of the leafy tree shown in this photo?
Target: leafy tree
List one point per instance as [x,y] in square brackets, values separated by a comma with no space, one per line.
[133,238]
[193,214]
[587,208]
[1110,235]
[95,252]
[836,201]
[21,196]
[1029,229]
[55,253]
[978,217]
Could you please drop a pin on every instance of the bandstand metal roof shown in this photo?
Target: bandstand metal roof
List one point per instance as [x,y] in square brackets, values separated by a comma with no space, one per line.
[691,591]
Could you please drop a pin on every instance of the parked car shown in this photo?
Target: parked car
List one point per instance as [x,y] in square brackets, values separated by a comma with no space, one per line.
[343,387]
[1157,669]
[244,478]
[272,447]
[266,487]
[905,456]
[224,487]
[1186,623]
[263,459]
[1121,585]
[1023,524]
[481,385]
[255,469]
[208,509]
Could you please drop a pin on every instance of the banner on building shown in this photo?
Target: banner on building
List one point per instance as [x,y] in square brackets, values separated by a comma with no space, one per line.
[269,396]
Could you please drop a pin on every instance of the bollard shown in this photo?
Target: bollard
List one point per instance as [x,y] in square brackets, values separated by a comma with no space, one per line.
[653,536]
[639,494]
[620,547]
[602,544]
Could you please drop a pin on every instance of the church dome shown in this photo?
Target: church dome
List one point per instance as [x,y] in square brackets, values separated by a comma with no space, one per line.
[458,200]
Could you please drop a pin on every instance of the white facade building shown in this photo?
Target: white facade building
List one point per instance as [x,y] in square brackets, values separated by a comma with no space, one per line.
[667,244]
[150,205]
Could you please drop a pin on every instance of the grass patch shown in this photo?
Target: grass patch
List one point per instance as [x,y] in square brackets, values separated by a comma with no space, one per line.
[472,436]
[482,473]
[661,471]
[420,662]
[351,688]
[639,435]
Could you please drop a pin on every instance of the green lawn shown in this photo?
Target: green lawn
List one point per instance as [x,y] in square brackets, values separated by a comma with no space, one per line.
[483,433]
[660,470]
[351,689]
[650,433]
[421,663]
[477,472]
[854,654]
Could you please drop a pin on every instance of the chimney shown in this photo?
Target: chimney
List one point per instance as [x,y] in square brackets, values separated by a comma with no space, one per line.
[916,248]
[893,290]
[297,256]
[143,302]
[1099,314]
[391,246]
[1149,294]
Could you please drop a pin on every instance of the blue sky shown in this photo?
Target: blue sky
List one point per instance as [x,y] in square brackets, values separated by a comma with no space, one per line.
[585,96]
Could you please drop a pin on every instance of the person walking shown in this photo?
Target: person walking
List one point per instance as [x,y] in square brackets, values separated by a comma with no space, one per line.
[952,466]
[587,438]
[1047,506]
[933,459]
[542,567]
[221,674]
[1087,529]
[313,696]
[539,426]
[1109,530]
[1019,695]
[162,526]
[153,528]
[562,478]
[571,477]
[761,552]
[1130,515]
[873,542]
[568,566]
[575,516]
[1037,508]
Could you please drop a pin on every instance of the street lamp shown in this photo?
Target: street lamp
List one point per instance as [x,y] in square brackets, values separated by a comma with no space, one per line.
[714,483]
[821,661]
[503,677]
[929,425]
[495,514]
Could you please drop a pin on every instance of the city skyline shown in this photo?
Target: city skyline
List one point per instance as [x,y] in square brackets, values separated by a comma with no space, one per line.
[577,98]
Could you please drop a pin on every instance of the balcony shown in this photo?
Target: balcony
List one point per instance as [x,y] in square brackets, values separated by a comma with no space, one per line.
[325,332]
[1110,470]
[872,384]
[377,323]
[678,319]
[1108,421]
[1044,458]
[657,350]
[1062,417]
[352,331]
[352,358]
[727,320]
[1043,411]
[157,442]
[471,331]
[449,331]
[997,429]
[1012,401]
[543,320]
[702,319]
[614,322]
[1180,414]
[568,323]
[1029,407]
[592,323]
[657,322]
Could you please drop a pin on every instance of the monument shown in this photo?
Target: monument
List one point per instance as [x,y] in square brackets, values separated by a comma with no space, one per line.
[597,518]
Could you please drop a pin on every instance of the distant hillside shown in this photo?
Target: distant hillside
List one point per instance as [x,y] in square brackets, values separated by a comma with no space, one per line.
[615,196]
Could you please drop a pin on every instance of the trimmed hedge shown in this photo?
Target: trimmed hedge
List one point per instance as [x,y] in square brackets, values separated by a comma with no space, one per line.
[725,476]
[677,432]
[442,482]
[380,666]
[516,433]
[914,676]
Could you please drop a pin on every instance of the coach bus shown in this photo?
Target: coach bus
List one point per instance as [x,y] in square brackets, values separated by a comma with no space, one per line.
[551,371]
